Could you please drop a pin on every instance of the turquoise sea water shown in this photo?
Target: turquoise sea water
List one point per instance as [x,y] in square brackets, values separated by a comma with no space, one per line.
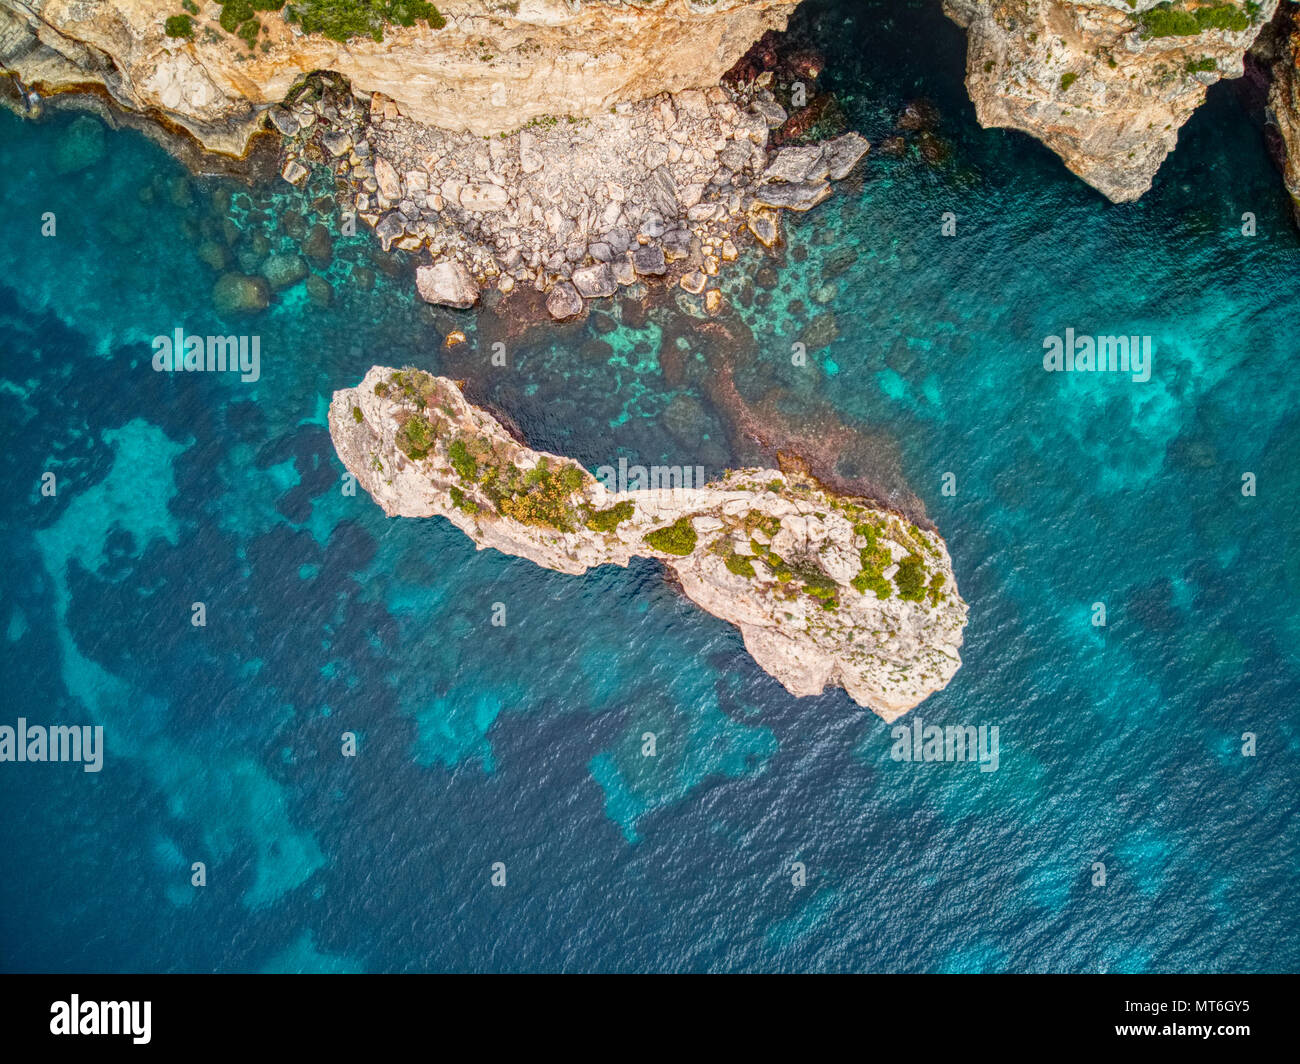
[522,744]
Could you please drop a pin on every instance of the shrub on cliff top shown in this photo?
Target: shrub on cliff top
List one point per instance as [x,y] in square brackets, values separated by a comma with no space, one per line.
[545,496]
[416,437]
[740,565]
[910,579]
[609,520]
[179,26]
[1166,20]
[341,20]
[678,538]
[234,12]
[462,461]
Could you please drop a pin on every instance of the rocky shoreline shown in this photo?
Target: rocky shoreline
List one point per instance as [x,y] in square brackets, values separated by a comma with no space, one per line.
[669,187]
[826,589]
[1106,84]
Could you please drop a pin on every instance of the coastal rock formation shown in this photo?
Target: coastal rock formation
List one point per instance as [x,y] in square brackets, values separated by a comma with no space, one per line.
[1281,55]
[493,66]
[826,590]
[574,207]
[615,152]
[1106,84]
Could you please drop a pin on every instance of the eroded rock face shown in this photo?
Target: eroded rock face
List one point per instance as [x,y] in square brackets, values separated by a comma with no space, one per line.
[494,66]
[826,590]
[1104,84]
[1283,59]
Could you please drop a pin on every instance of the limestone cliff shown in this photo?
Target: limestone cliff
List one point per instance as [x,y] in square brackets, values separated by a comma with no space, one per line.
[495,65]
[825,589]
[1106,84]
[1281,56]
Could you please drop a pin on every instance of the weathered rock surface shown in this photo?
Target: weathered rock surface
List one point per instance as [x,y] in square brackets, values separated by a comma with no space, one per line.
[826,590]
[564,301]
[447,283]
[494,66]
[1281,54]
[651,186]
[1106,84]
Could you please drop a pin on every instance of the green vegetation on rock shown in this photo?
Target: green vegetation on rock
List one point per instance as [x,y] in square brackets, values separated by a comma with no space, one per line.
[678,538]
[910,579]
[875,560]
[609,520]
[233,13]
[1166,20]
[459,501]
[341,20]
[179,26]
[464,463]
[416,437]
[542,496]
[740,565]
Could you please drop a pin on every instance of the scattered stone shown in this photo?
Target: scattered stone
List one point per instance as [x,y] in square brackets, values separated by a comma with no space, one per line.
[821,331]
[826,293]
[319,245]
[713,301]
[282,270]
[764,226]
[649,260]
[446,283]
[803,163]
[391,227]
[237,293]
[677,243]
[624,271]
[934,150]
[564,301]
[453,338]
[772,113]
[918,115]
[842,154]
[294,172]
[283,120]
[390,185]
[594,282]
[663,192]
[337,144]
[483,197]
[214,254]
[319,290]
[801,196]
[694,282]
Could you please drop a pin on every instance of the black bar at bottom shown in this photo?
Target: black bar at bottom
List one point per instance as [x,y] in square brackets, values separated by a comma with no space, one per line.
[336,1014]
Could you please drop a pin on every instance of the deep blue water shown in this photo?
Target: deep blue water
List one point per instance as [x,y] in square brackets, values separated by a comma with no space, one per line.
[522,744]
